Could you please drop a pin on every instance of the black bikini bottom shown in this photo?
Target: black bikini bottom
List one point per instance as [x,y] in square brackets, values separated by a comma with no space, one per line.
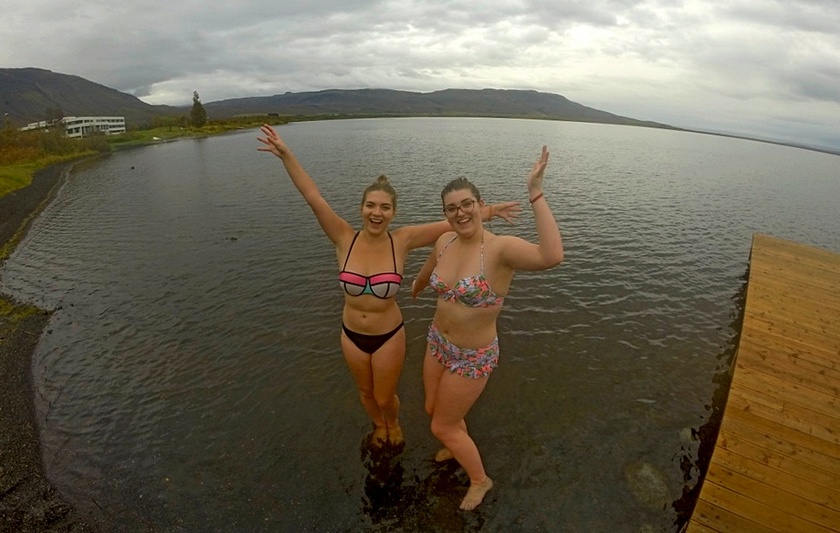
[370,343]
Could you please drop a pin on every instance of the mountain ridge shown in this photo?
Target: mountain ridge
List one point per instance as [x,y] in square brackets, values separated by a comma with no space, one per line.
[32,94]
[446,102]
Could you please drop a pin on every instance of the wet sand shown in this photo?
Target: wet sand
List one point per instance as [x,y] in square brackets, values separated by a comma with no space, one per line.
[28,503]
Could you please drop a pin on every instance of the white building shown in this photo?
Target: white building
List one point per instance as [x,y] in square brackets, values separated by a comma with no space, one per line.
[84,126]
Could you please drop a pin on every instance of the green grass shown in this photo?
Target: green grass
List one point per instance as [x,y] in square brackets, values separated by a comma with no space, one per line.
[18,176]
[13,313]
[171,133]
[14,177]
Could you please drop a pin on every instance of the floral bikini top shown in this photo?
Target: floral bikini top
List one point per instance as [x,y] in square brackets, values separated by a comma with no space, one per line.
[472,291]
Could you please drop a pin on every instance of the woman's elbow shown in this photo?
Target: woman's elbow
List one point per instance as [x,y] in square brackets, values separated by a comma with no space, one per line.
[554,258]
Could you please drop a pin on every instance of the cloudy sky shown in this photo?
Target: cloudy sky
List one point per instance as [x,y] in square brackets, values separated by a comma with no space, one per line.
[761,68]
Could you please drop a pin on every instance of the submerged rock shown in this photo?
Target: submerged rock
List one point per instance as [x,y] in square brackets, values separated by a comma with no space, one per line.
[648,485]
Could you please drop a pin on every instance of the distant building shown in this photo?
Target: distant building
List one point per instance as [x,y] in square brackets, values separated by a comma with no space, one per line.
[84,126]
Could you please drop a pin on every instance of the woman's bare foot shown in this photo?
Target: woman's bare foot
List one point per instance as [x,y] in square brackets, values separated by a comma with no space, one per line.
[475,494]
[380,435]
[443,455]
[395,434]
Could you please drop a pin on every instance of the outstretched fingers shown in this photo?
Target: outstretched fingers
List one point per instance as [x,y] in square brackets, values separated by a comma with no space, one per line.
[272,141]
[507,211]
[538,170]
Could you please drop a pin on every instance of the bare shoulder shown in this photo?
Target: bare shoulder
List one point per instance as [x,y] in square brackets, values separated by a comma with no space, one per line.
[501,242]
[345,237]
[508,250]
[446,237]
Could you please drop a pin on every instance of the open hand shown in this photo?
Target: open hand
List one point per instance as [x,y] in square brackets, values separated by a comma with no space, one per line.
[535,177]
[506,210]
[273,142]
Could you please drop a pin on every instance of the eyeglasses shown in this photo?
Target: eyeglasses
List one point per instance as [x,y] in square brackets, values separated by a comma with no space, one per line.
[466,206]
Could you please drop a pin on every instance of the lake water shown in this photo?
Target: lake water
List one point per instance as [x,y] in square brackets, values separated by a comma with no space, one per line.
[191,377]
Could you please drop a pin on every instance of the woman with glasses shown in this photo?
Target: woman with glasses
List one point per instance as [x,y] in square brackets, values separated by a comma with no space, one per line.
[471,269]
[371,261]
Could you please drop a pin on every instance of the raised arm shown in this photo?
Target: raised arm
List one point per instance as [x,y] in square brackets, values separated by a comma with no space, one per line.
[332,224]
[521,254]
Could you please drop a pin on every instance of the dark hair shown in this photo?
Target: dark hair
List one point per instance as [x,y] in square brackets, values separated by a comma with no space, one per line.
[459,184]
[382,183]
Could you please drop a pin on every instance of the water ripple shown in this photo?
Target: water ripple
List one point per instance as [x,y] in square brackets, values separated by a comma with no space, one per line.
[193,353]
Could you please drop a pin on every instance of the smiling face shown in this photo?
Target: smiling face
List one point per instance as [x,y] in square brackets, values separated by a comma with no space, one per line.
[377,211]
[463,211]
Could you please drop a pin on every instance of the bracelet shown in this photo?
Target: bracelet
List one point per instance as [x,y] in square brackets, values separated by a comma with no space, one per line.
[535,198]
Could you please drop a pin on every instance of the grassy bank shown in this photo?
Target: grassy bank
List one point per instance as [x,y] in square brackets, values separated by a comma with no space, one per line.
[24,153]
[19,175]
[168,133]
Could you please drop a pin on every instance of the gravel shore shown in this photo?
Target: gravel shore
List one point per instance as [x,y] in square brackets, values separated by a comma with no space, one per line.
[28,503]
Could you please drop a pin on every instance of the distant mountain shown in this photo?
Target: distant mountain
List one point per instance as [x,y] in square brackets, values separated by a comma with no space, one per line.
[448,102]
[31,94]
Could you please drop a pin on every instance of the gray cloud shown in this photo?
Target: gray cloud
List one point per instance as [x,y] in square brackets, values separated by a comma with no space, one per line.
[763,67]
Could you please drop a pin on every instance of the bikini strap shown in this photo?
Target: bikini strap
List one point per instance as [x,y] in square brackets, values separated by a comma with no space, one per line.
[481,256]
[393,255]
[446,246]
[356,236]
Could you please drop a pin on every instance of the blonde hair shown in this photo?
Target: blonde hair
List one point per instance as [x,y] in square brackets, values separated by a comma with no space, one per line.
[382,183]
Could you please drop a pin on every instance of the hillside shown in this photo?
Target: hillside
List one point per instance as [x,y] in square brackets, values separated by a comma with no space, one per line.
[29,94]
[448,102]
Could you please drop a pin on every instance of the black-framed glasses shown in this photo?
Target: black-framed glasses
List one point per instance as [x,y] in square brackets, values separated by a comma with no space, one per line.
[466,206]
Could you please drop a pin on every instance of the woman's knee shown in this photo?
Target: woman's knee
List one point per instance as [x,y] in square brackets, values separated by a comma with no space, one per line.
[430,407]
[441,430]
[385,401]
[366,395]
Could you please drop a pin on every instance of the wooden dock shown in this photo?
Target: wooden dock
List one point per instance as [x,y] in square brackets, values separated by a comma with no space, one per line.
[776,462]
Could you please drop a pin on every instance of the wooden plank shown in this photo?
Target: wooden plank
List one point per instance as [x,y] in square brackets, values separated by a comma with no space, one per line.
[806,449]
[816,452]
[784,260]
[775,454]
[818,327]
[708,517]
[768,505]
[792,347]
[808,422]
[774,346]
[813,308]
[767,390]
[781,263]
[795,283]
[773,360]
[776,463]
[778,254]
[779,478]
[813,386]
[716,491]
[774,246]
[808,337]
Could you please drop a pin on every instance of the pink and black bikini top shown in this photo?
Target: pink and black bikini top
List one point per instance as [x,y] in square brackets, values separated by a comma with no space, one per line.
[383,286]
[472,291]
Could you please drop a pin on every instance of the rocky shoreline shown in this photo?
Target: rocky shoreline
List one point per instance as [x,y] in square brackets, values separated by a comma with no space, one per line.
[28,502]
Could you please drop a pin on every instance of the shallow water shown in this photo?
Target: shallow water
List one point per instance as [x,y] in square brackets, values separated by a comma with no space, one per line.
[191,378]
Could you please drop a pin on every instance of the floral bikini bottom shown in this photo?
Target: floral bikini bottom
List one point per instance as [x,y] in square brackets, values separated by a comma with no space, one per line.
[466,362]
